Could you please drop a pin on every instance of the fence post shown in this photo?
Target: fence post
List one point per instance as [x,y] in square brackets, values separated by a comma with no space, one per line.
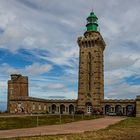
[37,120]
[73,116]
[89,115]
[60,118]
[82,116]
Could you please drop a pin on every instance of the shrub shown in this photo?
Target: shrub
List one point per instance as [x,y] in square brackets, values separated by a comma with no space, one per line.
[97,111]
[79,112]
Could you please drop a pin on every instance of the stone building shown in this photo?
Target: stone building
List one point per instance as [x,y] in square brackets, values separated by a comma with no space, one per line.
[90,84]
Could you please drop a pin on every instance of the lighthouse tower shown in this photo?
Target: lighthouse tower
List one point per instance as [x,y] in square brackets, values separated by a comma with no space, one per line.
[91,67]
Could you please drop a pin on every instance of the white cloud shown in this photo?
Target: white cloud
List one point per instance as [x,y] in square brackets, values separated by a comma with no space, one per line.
[47,89]
[53,86]
[7,69]
[52,27]
[124,91]
[63,54]
[119,61]
[34,69]
[3,84]
[37,68]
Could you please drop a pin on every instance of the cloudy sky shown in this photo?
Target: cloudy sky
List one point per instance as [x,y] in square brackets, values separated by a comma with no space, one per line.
[38,38]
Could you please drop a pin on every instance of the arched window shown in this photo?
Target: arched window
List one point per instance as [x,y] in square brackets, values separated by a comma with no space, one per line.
[107,109]
[129,110]
[62,109]
[118,110]
[44,107]
[53,109]
[39,107]
[33,106]
[71,109]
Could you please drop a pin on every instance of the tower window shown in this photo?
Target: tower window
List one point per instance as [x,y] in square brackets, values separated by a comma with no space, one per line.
[89,71]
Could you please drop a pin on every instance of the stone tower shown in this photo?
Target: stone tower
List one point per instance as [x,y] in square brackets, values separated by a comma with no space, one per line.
[91,67]
[17,87]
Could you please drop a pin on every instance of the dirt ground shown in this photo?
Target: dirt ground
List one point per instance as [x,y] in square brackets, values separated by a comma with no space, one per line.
[74,127]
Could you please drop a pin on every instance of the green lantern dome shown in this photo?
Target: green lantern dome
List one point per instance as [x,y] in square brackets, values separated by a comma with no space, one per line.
[92,24]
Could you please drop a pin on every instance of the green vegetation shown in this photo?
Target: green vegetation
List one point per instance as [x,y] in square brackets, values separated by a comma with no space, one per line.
[33,121]
[128,129]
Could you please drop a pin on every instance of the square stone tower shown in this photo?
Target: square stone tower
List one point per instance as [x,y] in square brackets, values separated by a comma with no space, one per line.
[91,67]
[17,87]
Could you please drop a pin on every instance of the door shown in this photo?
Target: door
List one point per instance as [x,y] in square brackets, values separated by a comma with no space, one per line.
[89,109]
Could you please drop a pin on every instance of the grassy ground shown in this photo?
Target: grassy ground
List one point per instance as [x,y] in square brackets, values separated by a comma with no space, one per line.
[33,121]
[128,129]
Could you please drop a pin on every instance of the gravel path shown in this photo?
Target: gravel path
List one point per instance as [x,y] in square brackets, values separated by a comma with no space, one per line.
[74,127]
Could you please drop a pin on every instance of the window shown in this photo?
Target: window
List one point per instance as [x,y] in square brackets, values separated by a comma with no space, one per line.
[33,107]
[39,107]
[112,109]
[44,107]
[89,109]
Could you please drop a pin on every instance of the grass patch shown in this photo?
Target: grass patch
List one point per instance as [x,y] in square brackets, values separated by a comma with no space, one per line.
[33,121]
[128,129]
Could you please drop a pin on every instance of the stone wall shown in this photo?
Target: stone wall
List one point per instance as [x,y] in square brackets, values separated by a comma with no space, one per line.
[36,105]
[138,106]
[126,107]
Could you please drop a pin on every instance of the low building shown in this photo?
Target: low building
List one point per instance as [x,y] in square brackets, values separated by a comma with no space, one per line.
[90,84]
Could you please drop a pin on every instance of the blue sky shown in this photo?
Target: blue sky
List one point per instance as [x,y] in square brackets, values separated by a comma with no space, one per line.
[38,38]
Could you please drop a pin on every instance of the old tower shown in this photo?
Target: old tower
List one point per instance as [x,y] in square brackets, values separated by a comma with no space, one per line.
[17,88]
[91,67]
